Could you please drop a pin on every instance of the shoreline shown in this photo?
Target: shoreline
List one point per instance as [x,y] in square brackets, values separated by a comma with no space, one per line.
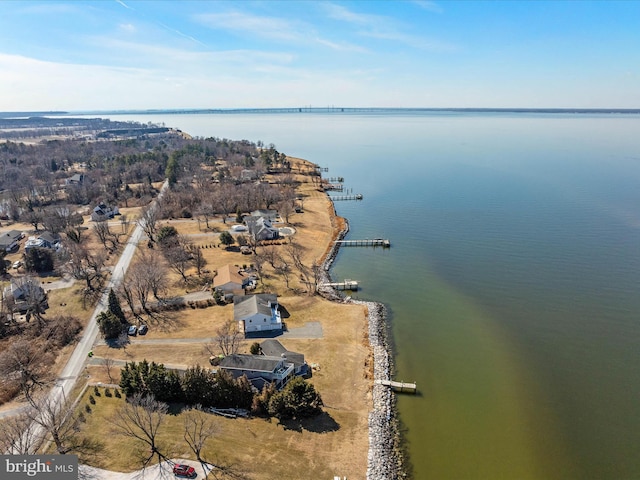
[385,459]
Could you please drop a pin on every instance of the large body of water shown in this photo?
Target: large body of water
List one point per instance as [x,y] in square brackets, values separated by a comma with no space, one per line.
[513,281]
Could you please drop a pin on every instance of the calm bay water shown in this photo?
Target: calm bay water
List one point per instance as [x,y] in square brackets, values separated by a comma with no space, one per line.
[513,281]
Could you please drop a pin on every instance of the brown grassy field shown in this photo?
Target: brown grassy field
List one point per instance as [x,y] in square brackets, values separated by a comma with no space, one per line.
[256,448]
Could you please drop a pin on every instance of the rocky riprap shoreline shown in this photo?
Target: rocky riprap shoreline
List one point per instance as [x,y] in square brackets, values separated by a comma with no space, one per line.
[384,458]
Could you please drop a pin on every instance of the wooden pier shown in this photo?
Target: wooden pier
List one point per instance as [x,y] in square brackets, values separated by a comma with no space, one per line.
[400,387]
[367,242]
[346,285]
[335,198]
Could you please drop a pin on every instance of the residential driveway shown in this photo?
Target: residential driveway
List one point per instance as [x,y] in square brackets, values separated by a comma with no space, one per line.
[66,282]
[155,472]
[308,330]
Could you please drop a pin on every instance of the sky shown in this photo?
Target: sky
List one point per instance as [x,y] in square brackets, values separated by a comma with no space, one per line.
[79,55]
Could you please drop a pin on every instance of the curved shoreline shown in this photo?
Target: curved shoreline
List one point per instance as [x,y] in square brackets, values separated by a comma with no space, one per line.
[384,459]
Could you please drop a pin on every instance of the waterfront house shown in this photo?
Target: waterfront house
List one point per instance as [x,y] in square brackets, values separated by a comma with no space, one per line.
[259,369]
[273,348]
[257,313]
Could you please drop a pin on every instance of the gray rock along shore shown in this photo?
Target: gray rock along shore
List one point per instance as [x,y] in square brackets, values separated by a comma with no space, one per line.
[384,459]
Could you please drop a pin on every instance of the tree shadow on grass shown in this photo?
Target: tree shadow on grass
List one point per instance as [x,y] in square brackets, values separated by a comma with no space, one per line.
[323,423]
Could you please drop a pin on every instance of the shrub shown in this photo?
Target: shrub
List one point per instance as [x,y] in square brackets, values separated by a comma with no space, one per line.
[96,391]
[92,400]
[87,408]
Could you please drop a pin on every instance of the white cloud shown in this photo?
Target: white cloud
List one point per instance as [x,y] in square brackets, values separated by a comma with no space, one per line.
[342,46]
[339,12]
[414,41]
[253,25]
[430,6]
[385,28]
[127,27]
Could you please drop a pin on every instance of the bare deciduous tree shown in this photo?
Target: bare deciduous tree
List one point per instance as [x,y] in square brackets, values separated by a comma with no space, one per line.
[87,266]
[227,340]
[141,418]
[198,258]
[110,241]
[62,424]
[145,277]
[16,436]
[108,364]
[148,221]
[179,256]
[198,429]
[27,362]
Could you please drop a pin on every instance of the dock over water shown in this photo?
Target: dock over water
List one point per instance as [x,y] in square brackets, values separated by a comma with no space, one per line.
[398,386]
[357,196]
[367,242]
[346,285]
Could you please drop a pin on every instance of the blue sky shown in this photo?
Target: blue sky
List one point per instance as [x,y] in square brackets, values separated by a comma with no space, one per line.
[125,54]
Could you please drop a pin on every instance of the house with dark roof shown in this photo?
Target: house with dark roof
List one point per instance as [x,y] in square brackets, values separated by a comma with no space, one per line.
[9,241]
[257,314]
[103,212]
[259,369]
[273,348]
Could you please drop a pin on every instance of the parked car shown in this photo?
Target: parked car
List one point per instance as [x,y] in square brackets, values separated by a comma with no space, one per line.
[143,329]
[184,471]
[133,330]
[17,264]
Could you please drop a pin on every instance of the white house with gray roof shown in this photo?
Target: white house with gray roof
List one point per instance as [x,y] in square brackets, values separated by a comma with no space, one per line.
[257,313]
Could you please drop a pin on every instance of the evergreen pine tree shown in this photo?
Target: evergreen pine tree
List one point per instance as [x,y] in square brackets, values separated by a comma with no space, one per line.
[115,307]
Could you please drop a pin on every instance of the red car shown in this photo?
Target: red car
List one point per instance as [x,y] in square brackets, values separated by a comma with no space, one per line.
[184,471]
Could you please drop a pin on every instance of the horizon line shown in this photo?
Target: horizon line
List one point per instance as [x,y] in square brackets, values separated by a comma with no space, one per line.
[310,109]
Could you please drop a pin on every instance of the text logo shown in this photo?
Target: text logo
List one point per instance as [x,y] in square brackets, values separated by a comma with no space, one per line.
[36,467]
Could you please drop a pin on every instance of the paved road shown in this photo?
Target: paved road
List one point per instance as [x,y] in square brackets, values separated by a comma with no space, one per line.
[67,379]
